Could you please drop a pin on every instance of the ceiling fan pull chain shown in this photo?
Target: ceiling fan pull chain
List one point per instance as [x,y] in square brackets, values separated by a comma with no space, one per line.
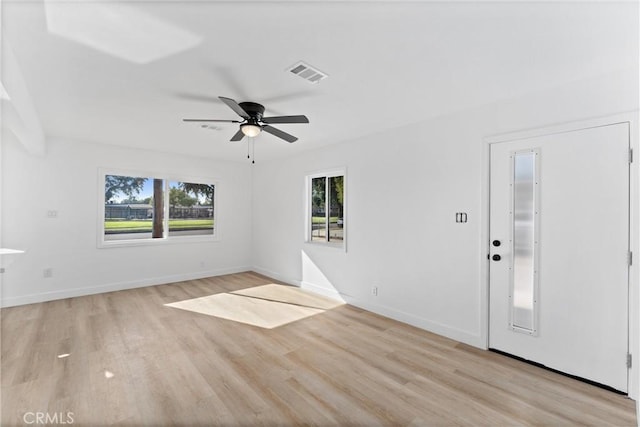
[248,142]
[253,151]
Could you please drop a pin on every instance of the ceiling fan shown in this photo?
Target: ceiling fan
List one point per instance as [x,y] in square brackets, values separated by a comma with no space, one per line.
[253,122]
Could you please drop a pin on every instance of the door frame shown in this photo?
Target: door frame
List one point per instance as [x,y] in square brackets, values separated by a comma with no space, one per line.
[631,118]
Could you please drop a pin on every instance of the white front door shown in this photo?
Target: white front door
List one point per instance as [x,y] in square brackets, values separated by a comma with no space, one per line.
[559,229]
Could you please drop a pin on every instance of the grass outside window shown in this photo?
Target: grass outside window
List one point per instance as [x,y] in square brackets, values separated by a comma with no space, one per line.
[145,226]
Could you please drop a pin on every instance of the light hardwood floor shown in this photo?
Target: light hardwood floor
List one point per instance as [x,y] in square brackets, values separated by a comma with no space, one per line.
[133,361]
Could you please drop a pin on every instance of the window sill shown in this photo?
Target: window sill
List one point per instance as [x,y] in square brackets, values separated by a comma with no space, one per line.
[104,244]
[342,246]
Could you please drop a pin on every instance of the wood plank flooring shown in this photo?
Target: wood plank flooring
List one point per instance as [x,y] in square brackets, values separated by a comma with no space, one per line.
[132,361]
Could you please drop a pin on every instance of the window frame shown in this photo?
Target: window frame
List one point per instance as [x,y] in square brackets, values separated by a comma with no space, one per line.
[329,173]
[166,239]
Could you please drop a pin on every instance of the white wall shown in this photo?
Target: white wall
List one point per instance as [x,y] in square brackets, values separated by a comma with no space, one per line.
[402,195]
[403,189]
[65,179]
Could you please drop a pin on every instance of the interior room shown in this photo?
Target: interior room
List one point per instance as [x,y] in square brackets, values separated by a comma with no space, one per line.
[331,213]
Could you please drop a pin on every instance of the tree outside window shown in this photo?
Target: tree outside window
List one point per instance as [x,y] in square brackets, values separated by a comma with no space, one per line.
[138,208]
[326,195]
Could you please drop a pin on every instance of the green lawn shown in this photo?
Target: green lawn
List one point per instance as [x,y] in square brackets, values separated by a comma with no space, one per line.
[145,225]
[321,219]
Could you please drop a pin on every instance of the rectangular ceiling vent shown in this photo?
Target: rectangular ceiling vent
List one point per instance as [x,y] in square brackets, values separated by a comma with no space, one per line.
[307,72]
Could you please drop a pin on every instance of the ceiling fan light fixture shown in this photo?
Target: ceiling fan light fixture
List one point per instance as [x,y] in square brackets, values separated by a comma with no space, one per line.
[250,130]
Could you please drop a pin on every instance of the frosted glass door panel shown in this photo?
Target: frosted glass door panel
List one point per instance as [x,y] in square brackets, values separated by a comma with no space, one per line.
[523,288]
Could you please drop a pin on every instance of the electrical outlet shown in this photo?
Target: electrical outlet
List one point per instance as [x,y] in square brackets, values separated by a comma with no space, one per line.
[52,214]
[374,291]
[47,272]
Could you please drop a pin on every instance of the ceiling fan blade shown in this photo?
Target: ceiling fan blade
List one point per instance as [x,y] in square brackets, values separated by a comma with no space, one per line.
[286,119]
[211,120]
[235,107]
[238,136]
[279,133]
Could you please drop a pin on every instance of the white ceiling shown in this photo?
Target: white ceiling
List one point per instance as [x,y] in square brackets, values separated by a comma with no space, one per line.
[126,73]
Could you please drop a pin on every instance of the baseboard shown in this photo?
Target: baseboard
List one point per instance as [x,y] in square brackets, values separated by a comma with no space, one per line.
[331,293]
[422,323]
[321,290]
[277,276]
[120,286]
[419,322]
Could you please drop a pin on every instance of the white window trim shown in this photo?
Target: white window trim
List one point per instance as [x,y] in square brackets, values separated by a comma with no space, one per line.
[102,243]
[307,210]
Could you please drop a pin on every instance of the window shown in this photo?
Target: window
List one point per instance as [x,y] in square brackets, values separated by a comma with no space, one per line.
[326,219]
[141,208]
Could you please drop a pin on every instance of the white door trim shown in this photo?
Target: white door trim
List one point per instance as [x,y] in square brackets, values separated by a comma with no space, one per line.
[634,225]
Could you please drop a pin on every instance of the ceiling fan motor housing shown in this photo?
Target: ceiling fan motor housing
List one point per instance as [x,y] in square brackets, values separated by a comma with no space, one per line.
[255,110]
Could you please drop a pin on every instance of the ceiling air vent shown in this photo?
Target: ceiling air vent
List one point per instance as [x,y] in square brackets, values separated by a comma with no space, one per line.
[307,72]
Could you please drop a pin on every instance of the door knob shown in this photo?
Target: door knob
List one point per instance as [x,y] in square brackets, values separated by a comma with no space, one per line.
[496,257]
[496,243]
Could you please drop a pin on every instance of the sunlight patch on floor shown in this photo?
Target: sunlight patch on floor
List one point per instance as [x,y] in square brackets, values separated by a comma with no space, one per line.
[267,306]
[289,295]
